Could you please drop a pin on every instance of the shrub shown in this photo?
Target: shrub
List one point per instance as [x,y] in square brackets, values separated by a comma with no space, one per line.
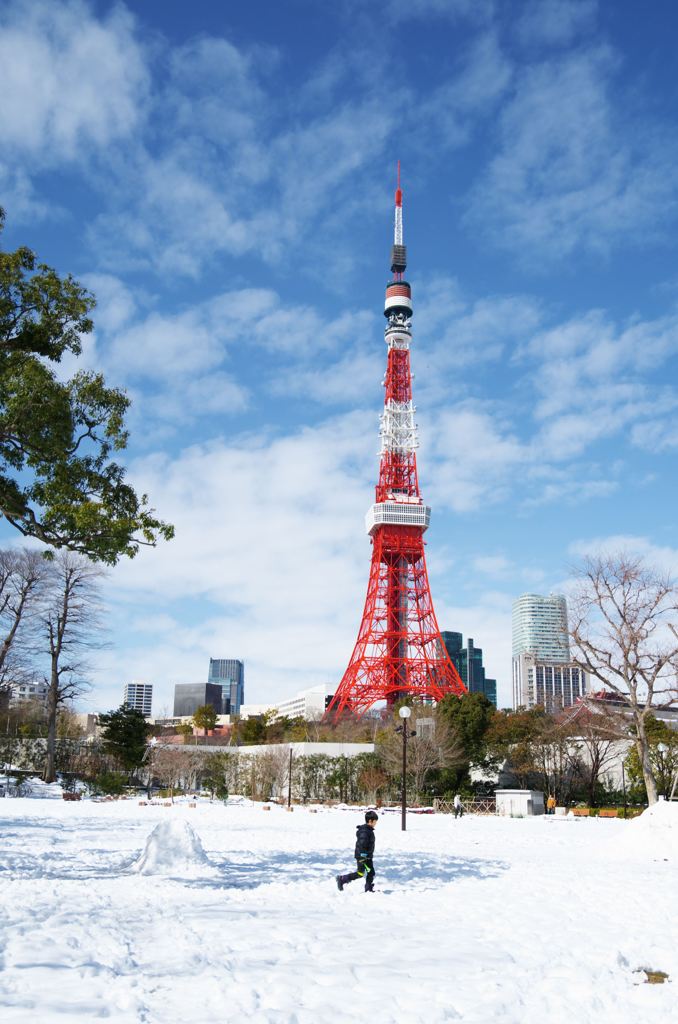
[109,783]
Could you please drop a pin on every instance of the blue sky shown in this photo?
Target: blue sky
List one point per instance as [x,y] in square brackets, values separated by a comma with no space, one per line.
[221,176]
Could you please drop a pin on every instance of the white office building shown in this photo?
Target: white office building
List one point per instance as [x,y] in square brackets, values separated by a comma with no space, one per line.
[308,704]
[139,696]
[551,684]
[23,692]
[542,672]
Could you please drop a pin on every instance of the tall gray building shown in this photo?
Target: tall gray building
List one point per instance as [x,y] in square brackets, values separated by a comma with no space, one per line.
[188,697]
[542,671]
[139,696]
[229,674]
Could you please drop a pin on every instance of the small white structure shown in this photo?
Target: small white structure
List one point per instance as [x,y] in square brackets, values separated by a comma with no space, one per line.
[519,803]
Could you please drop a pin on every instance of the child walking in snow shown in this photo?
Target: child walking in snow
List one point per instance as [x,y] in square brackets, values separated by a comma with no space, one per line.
[364,849]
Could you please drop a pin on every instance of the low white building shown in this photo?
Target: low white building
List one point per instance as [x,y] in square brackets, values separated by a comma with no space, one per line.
[519,803]
[307,749]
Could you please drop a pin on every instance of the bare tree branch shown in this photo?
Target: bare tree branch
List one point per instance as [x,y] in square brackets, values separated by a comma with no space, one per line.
[624,633]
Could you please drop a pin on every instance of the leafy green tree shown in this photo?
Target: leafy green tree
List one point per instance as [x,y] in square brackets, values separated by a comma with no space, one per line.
[214,775]
[251,730]
[470,715]
[57,480]
[205,717]
[109,783]
[124,733]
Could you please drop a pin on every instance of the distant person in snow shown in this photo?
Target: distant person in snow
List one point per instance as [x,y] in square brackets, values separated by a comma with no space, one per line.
[364,849]
[551,805]
[458,806]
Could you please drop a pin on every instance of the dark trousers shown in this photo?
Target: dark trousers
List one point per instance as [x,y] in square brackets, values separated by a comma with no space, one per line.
[364,869]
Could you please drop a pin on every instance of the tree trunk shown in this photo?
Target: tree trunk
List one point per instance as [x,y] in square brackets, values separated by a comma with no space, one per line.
[643,748]
[52,704]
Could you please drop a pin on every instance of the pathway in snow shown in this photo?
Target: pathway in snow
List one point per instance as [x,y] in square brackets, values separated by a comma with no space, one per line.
[232,914]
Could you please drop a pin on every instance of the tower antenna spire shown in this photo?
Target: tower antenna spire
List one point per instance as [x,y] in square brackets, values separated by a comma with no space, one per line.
[398,252]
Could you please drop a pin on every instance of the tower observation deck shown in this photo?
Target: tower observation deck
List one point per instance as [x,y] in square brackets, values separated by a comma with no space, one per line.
[399,651]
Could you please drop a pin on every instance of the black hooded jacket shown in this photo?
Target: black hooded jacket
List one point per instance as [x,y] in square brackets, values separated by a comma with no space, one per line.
[364,842]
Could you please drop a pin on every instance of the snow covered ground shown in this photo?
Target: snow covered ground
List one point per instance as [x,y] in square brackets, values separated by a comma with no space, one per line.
[232,914]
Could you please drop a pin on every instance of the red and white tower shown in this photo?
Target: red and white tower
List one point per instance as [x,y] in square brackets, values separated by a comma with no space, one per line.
[399,651]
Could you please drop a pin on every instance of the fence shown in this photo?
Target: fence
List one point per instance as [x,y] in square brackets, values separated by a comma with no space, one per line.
[487,806]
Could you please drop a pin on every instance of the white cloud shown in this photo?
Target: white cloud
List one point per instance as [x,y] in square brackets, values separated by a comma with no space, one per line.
[406,10]
[453,332]
[477,458]
[69,82]
[270,531]
[594,379]
[214,94]
[216,393]
[351,380]
[167,346]
[492,565]
[663,558]
[570,170]
[573,489]
[555,22]
[450,112]
[116,305]
[656,435]
[21,201]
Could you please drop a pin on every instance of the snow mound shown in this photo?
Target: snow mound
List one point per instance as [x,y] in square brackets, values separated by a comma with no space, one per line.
[660,815]
[173,848]
[39,790]
[31,788]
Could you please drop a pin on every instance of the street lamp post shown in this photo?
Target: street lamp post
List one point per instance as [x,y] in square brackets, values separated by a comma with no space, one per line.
[661,750]
[624,787]
[404,713]
[289,781]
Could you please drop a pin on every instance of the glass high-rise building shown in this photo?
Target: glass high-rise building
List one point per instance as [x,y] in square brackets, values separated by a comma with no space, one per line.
[188,697]
[468,662]
[540,627]
[229,674]
[139,696]
[542,671]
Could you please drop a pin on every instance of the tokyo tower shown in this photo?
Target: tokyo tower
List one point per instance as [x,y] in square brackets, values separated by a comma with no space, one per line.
[399,651]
